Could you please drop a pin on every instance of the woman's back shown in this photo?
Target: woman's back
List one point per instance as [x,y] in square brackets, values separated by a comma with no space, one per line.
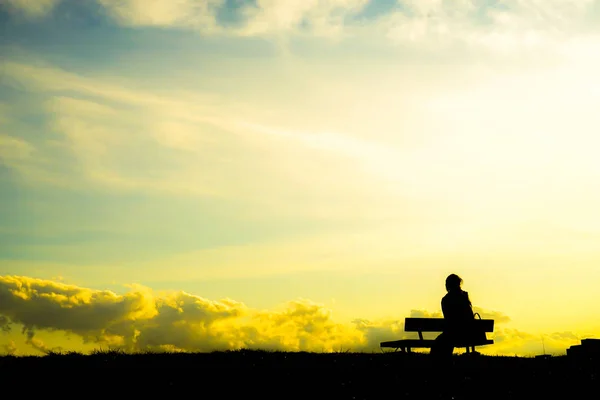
[457,310]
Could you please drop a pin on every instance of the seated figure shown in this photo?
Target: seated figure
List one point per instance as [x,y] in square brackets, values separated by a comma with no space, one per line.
[458,318]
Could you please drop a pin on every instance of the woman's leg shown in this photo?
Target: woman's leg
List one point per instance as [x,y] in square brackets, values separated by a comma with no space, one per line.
[442,346]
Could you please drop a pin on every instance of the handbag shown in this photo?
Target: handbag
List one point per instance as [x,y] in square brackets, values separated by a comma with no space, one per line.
[479,336]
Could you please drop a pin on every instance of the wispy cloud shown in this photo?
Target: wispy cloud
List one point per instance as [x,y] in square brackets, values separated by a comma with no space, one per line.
[31,8]
[127,139]
[14,151]
[104,124]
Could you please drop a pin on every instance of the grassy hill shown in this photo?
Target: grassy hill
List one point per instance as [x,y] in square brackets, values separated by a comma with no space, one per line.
[262,374]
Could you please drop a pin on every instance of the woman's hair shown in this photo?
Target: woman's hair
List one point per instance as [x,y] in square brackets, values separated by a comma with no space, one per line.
[453,281]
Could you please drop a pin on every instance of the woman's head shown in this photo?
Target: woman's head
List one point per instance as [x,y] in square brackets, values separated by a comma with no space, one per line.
[453,282]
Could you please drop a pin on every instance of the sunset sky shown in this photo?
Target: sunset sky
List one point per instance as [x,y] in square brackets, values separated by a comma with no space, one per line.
[199,175]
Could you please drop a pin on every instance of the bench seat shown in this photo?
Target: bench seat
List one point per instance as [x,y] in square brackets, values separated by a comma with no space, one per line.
[407,344]
[421,325]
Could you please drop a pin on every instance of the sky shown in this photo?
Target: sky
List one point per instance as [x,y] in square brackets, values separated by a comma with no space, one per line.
[200,175]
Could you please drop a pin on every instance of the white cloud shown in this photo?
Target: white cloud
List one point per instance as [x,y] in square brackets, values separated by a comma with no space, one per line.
[504,27]
[509,25]
[265,17]
[525,29]
[194,14]
[321,18]
[31,8]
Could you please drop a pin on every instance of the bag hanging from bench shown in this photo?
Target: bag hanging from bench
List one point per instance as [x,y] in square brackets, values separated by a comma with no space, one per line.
[478,335]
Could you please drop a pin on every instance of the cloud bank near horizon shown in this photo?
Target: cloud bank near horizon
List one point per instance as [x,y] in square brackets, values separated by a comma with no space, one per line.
[142,320]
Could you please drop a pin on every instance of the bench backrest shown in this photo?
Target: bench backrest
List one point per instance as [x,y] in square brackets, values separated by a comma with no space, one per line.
[437,324]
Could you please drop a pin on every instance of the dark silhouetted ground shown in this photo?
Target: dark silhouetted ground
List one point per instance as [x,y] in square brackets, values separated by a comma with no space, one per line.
[280,375]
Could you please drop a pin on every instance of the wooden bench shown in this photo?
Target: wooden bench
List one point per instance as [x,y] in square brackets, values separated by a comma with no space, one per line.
[421,325]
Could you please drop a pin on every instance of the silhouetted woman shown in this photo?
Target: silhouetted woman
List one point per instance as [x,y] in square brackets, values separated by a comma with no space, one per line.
[458,318]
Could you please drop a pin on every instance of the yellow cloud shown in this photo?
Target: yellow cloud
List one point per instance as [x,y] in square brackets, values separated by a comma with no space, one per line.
[498,317]
[508,341]
[94,315]
[142,320]
[4,324]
